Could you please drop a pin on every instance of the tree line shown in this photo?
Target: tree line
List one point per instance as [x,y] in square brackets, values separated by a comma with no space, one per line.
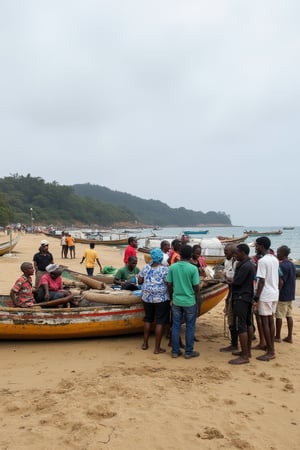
[26,198]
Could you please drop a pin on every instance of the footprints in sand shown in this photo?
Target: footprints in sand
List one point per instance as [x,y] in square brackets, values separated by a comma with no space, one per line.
[210,433]
[232,441]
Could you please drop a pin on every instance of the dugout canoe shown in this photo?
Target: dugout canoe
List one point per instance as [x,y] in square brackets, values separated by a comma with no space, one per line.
[232,240]
[106,240]
[73,276]
[84,322]
[8,246]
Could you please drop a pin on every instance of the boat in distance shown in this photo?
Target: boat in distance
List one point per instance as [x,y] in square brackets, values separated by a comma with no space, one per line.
[110,239]
[37,323]
[262,233]
[232,240]
[189,232]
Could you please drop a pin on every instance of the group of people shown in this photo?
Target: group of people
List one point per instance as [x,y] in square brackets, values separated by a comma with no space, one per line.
[48,290]
[67,243]
[262,287]
[170,285]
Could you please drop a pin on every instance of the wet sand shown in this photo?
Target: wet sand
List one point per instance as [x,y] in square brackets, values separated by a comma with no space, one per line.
[109,394]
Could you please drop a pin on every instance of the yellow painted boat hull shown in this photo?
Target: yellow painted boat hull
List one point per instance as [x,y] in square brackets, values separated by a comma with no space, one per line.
[83,322]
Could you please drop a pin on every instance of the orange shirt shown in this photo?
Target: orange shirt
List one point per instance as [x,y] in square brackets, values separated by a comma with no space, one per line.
[70,241]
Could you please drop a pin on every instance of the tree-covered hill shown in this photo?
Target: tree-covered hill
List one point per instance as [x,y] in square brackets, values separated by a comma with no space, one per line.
[53,204]
[24,197]
[152,211]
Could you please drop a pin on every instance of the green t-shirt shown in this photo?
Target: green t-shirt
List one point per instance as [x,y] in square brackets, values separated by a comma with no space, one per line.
[124,273]
[184,276]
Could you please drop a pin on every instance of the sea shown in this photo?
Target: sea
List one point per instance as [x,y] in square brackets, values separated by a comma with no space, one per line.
[291,238]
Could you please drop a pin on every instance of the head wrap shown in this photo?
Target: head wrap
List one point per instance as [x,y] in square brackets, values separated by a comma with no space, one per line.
[156,255]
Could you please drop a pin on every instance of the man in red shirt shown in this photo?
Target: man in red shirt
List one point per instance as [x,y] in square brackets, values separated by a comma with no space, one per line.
[130,250]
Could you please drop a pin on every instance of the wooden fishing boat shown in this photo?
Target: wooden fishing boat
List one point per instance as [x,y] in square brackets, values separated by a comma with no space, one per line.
[83,322]
[232,240]
[71,275]
[106,240]
[109,242]
[262,233]
[189,232]
[8,246]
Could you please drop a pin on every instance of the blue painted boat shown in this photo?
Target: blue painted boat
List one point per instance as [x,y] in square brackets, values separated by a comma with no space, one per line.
[188,232]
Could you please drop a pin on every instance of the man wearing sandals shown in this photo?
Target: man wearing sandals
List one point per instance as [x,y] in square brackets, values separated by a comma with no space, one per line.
[242,297]
[267,293]
[287,285]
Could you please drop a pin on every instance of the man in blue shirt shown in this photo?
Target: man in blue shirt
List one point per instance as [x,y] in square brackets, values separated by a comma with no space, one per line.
[287,288]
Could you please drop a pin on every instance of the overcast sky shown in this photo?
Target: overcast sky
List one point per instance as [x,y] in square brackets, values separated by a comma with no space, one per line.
[192,102]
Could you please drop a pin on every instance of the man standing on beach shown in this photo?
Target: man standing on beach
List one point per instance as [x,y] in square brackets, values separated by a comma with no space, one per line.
[230,263]
[267,292]
[91,257]
[287,286]
[242,297]
[130,250]
[183,286]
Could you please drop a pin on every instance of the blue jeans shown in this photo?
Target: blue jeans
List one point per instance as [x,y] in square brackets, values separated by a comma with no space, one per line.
[190,314]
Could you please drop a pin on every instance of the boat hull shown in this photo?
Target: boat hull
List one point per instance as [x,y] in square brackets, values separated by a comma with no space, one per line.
[105,241]
[195,232]
[84,322]
[262,233]
[7,247]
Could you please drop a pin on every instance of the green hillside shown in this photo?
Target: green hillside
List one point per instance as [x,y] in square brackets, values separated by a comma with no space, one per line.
[151,211]
[53,204]
[24,197]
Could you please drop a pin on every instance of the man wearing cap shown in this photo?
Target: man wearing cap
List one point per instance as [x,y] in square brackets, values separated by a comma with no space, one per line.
[41,260]
[51,286]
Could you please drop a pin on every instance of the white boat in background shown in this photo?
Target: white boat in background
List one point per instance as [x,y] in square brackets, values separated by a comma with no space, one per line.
[212,248]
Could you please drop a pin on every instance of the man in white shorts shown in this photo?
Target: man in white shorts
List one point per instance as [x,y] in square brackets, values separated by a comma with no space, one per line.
[267,293]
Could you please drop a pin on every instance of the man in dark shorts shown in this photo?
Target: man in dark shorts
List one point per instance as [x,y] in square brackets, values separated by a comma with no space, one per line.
[242,297]
[287,288]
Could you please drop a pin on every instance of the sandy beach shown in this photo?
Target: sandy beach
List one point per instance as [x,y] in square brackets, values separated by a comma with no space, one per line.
[107,393]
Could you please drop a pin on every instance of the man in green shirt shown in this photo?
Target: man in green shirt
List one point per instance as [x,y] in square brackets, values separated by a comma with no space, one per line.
[183,285]
[126,277]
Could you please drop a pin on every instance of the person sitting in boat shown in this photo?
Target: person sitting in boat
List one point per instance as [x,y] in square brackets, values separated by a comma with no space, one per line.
[51,287]
[130,250]
[22,292]
[126,277]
